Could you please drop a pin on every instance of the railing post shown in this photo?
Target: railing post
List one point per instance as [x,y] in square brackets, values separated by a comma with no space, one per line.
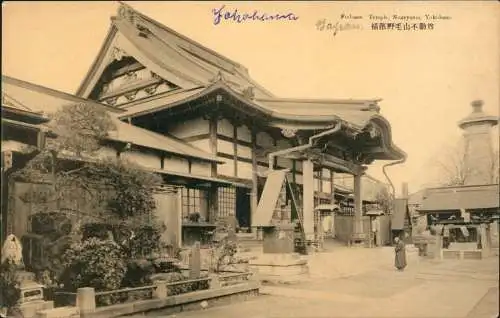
[215,282]
[85,300]
[161,290]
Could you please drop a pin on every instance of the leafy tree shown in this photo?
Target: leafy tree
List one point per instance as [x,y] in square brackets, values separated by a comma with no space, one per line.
[384,199]
[117,190]
[9,287]
[455,170]
[93,262]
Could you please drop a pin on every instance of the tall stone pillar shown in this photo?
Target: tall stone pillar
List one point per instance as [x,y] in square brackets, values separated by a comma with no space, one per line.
[308,198]
[358,233]
[478,148]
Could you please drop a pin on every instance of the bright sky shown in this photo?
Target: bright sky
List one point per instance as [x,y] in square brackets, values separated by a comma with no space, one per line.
[426,79]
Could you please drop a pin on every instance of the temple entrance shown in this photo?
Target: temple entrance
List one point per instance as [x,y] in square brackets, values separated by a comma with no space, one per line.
[243,208]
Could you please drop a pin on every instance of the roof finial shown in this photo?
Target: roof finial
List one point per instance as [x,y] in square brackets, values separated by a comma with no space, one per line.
[477,105]
[249,93]
[218,77]
[125,11]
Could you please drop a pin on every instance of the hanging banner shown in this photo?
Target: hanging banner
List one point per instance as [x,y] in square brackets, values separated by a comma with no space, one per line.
[464,230]
[465,215]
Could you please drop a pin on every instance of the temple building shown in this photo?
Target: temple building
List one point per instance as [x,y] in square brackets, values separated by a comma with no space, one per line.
[199,120]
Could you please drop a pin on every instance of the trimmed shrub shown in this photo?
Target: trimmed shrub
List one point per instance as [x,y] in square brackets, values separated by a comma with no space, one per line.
[9,286]
[94,263]
[97,230]
[138,273]
[145,241]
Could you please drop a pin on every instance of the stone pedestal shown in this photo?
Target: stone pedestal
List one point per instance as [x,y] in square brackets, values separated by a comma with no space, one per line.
[85,300]
[161,290]
[31,300]
[31,308]
[279,263]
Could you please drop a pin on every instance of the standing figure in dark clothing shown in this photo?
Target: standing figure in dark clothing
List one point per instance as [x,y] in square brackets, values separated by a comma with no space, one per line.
[400,257]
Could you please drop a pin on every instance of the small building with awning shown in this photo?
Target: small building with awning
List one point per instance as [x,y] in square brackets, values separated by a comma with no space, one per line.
[459,206]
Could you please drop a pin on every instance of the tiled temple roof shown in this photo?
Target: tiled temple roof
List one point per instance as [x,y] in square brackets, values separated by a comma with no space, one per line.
[461,197]
[169,54]
[42,100]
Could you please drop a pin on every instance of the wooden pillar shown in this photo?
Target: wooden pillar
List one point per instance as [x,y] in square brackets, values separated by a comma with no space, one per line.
[212,130]
[213,140]
[358,210]
[213,207]
[332,186]
[308,198]
[235,148]
[178,226]
[253,200]
[5,206]
[334,214]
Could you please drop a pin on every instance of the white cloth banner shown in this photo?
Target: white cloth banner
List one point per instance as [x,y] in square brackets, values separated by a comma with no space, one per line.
[464,230]
[465,215]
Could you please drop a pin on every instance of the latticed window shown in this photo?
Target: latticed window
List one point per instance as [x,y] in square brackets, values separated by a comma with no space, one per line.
[226,201]
[194,201]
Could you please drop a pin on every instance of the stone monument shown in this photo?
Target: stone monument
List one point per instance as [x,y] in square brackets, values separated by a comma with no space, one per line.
[478,145]
[31,299]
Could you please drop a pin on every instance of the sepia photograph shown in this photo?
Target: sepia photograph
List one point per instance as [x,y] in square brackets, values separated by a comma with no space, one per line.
[254,159]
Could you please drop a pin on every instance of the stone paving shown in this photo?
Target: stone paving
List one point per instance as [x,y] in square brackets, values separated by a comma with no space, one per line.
[362,283]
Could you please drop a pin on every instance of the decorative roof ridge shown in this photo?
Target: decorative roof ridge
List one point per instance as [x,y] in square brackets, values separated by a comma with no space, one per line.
[372,104]
[130,9]
[173,92]
[179,50]
[317,101]
[125,30]
[100,55]
[54,92]
[130,14]
[247,76]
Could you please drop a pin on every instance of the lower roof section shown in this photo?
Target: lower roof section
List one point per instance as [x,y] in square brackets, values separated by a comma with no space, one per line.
[43,101]
[461,198]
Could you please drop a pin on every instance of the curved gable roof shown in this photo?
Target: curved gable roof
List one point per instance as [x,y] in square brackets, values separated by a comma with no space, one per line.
[169,54]
[44,100]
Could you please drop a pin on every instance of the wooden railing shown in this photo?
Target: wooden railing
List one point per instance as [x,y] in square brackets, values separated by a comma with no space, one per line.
[87,300]
[124,295]
[234,278]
